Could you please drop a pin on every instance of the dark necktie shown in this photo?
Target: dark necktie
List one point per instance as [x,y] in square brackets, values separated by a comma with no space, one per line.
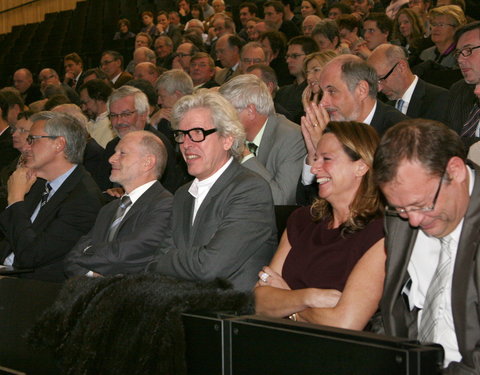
[399,104]
[229,74]
[45,195]
[470,127]
[125,202]
[252,147]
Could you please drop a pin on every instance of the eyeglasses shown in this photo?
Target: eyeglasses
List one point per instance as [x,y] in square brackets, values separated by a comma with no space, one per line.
[32,138]
[42,79]
[465,52]
[195,134]
[106,62]
[403,211]
[246,60]
[13,129]
[200,65]
[293,56]
[123,115]
[441,25]
[381,79]
[179,54]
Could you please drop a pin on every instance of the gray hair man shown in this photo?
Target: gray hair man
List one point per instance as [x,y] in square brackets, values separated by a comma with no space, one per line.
[275,145]
[223,222]
[52,199]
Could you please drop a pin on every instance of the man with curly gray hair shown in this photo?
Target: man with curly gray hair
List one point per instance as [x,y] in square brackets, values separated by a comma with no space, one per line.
[223,222]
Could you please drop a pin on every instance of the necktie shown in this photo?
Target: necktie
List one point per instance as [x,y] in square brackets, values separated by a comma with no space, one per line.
[74,83]
[470,127]
[252,147]
[229,74]
[433,307]
[399,104]
[125,202]
[45,195]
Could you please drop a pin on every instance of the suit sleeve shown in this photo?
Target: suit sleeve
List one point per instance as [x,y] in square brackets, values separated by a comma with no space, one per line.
[287,166]
[134,246]
[242,226]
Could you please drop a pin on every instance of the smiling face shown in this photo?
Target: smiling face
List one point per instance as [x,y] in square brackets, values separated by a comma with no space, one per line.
[338,176]
[131,120]
[89,106]
[203,158]
[313,73]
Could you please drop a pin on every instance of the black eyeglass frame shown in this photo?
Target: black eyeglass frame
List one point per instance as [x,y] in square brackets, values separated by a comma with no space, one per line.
[32,138]
[183,133]
[381,79]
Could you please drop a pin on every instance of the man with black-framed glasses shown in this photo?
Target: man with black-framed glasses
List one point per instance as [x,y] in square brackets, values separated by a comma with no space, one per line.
[432,221]
[52,199]
[223,222]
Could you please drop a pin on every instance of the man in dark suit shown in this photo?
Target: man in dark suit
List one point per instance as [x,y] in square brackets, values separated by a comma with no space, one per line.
[431,290]
[228,49]
[109,249]
[52,200]
[23,82]
[275,145]
[409,94]
[223,222]
[111,63]
[74,73]
[202,71]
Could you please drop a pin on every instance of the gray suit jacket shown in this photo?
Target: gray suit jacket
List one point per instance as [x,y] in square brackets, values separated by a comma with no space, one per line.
[280,158]
[399,321]
[134,245]
[233,235]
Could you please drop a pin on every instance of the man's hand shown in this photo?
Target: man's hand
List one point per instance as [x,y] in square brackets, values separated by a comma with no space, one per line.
[116,192]
[19,184]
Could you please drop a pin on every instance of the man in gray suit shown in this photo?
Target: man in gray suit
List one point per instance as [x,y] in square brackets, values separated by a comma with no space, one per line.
[432,285]
[275,147]
[126,235]
[223,222]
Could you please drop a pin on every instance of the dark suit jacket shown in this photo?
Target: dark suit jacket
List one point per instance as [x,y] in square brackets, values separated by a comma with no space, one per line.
[7,152]
[233,235]
[32,94]
[385,117]
[428,101]
[123,79]
[42,245]
[460,102]
[135,243]
[399,321]
[279,158]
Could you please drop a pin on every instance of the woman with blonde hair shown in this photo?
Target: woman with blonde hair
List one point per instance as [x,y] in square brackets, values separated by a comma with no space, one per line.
[312,67]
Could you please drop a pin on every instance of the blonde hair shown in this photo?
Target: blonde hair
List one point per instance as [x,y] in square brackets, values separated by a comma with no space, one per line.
[322,57]
[453,11]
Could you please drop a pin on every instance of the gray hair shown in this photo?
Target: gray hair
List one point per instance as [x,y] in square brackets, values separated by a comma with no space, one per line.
[151,144]
[72,110]
[354,70]
[327,28]
[267,73]
[141,101]
[148,53]
[395,53]
[224,117]
[66,126]
[248,89]
[251,45]
[175,80]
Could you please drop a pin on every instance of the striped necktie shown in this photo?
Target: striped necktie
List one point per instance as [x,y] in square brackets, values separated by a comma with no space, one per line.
[125,202]
[470,127]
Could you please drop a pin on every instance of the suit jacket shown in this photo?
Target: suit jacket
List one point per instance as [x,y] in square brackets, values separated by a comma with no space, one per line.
[385,117]
[460,102]
[233,235]
[290,98]
[134,244]
[221,75]
[279,158]
[123,79]
[7,152]
[42,245]
[428,101]
[399,321]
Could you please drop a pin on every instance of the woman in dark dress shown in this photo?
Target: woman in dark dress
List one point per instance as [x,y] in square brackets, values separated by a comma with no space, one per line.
[329,266]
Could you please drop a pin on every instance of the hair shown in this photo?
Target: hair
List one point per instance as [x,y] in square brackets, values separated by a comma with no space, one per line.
[235,41]
[100,74]
[268,75]
[394,53]
[147,13]
[97,89]
[116,56]
[151,144]
[359,141]
[141,101]
[277,5]
[327,28]
[52,90]
[277,40]
[200,10]
[252,7]
[354,70]
[72,130]
[124,21]
[201,55]
[344,8]
[25,115]
[384,23]
[149,38]
[460,3]
[418,29]
[465,29]
[224,117]
[148,54]
[322,57]
[175,80]
[72,110]
[318,11]
[162,13]
[308,44]
[349,22]
[452,11]
[168,40]
[428,142]
[54,101]
[147,88]
[73,57]
[4,106]
[251,45]
[248,89]
[13,97]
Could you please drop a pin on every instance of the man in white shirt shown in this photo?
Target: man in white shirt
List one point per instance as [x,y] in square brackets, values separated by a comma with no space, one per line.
[223,222]
[431,288]
[126,234]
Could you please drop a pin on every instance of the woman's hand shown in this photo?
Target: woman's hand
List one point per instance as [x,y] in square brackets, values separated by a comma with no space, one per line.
[312,125]
[268,277]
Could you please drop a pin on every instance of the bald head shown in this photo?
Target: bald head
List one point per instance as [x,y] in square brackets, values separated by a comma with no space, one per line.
[22,80]
[143,54]
[147,71]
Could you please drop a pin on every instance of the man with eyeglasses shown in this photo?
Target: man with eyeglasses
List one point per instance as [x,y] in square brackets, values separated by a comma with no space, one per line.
[111,62]
[432,283]
[183,54]
[252,53]
[49,76]
[202,71]
[52,199]
[290,96]
[463,113]
[409,94]
[223,222]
